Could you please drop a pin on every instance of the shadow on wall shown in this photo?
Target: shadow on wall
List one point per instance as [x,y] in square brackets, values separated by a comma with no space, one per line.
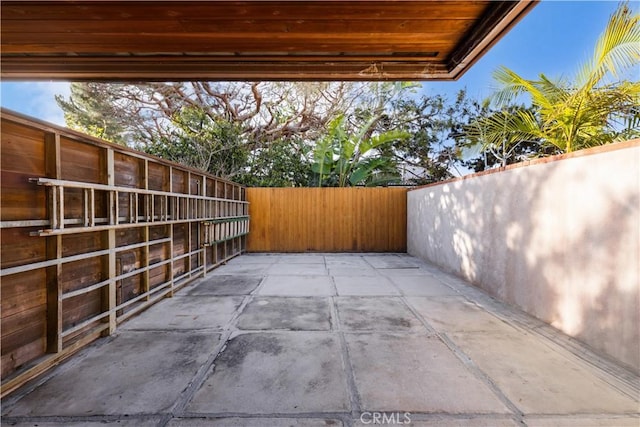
[558,239]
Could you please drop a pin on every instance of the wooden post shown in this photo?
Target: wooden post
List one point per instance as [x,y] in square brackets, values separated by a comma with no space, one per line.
[214,214]
[109,241]
[245,212]
[92,208]
[85,208]
[54,248]
[170,265]
[147,197]
[52,206]
[145,275]
[225,225]
[133,215]
[201,227]
[60,207]
[149,214]
[136,208]
[169,187]
[188,215]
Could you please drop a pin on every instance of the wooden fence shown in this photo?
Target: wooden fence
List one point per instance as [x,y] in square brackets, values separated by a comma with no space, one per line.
[327,219]
[93,233]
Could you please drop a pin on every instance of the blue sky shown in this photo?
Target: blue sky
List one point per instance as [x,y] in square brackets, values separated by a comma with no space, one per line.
[554,38]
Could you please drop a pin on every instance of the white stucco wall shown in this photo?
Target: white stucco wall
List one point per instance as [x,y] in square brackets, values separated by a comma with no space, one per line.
[559,238]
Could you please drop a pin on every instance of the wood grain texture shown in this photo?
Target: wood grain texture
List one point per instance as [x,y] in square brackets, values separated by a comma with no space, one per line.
[59,291]
[256,39]
[327,219]
[23,324]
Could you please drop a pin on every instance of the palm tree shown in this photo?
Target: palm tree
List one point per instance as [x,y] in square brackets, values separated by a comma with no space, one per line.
[574,115]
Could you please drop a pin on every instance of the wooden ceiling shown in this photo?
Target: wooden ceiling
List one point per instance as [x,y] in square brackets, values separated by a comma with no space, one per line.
[249,40]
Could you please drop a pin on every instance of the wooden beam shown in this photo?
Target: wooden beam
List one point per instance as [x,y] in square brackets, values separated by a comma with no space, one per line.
[490,28]
[54,249]
[406,25]
[257,12]
[252,40]
[163,68]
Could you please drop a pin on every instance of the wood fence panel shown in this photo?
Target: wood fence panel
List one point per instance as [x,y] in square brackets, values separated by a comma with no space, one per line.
[327,219]
[93,233]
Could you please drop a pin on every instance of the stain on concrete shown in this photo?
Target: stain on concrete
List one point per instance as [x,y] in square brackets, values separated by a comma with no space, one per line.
[188,312]
[136,373]
[239,347]
[376,314]
[295,314]
[226,285]
[399,322]
[276,373]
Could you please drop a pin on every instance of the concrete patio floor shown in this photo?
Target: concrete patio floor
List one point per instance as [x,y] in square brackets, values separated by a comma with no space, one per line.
[331,340]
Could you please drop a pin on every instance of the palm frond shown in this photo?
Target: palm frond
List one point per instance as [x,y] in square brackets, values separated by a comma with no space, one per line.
[578,115]
[617,49]
[513,85]
[554,92]
[504,128]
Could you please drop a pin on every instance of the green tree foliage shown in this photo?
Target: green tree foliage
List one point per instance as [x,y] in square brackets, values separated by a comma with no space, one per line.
[282,163]
[570,115]
[349,153]
[213,145]
[503,146]
[523,150]
[279,134]
[345,158]
[90,109]
[433,150]
[219,127]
